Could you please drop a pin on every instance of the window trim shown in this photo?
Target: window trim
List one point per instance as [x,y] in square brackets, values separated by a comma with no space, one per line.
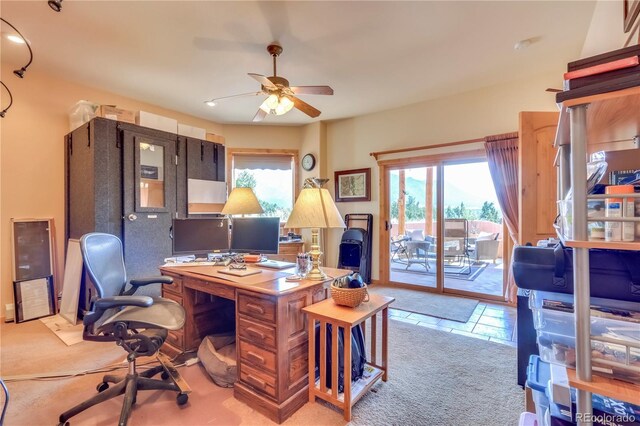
[293,153]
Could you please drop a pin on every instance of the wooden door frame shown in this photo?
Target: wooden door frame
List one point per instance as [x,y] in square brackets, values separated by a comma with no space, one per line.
[438,161]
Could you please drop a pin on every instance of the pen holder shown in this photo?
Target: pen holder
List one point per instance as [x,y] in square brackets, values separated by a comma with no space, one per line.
[351,297]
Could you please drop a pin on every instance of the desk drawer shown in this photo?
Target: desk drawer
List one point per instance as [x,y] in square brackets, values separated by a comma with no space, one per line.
[259,380]
[175,287]
[258,357]
[172,296]
[258,308]
[259,334]
[176,339]
[220,290]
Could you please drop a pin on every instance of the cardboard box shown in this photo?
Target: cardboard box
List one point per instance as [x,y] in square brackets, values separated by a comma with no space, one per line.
[191,131]
[155,121]
[212,137]
[118,114]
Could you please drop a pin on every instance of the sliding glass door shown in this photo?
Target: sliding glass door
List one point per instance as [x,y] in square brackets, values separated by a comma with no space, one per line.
[412,213]
[472,230]
[442,227]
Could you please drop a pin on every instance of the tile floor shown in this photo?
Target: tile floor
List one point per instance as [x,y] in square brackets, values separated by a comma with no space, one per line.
[491,322]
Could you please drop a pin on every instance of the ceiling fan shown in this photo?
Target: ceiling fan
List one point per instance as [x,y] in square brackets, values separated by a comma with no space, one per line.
[281,97]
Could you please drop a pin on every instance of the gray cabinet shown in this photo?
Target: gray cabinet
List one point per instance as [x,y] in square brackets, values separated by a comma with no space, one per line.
[131,181]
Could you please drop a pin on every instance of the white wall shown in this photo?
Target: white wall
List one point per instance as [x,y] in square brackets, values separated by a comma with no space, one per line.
[606,30]
[479,113]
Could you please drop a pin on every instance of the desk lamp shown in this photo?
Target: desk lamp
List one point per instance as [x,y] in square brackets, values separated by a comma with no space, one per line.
[242,201]
[315,209]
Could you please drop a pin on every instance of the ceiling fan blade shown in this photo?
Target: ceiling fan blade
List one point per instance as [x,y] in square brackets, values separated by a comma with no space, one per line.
[552,90]
[214,100]
[260,115]
[312,90]
[263,80]
[305,107]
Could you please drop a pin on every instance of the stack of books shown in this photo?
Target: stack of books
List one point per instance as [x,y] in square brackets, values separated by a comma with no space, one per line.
[608,72]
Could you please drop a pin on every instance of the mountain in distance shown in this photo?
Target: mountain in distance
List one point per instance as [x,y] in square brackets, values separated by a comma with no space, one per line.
[454,193]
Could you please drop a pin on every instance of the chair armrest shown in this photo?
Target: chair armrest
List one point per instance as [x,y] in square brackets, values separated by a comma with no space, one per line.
[139,282]
[101,305]
[117,301]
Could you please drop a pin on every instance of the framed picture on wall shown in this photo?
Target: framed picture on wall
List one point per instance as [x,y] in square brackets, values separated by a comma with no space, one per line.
[353,185]
[630,13]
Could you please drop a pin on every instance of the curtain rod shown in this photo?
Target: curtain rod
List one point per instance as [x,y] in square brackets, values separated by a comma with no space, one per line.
[420,148]
[442,145]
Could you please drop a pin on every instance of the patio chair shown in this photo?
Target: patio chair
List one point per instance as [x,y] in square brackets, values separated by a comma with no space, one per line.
[418,253]
[456,243]
[399,249]
[486,247]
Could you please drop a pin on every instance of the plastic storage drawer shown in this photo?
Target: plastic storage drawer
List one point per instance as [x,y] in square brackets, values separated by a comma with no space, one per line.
[538,376]
[556,339]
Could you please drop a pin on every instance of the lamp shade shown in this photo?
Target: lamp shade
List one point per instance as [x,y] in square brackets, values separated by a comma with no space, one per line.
[242,201]
[315,208]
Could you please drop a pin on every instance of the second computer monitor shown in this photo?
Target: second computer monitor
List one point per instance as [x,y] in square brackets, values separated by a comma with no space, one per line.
[255,235]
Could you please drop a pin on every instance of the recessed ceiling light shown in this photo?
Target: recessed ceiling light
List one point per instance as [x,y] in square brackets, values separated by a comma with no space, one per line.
[210,103]
[522,44]
[16,39]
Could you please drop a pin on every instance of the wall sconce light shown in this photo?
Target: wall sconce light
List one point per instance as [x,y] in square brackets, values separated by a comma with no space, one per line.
[55,5]
[20,72]
[4,111]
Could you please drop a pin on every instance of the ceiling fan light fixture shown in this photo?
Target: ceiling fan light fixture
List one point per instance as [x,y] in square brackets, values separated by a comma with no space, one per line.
[272,101]
[284,106]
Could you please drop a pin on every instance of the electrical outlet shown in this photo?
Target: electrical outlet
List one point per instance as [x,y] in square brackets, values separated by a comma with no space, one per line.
[9,314]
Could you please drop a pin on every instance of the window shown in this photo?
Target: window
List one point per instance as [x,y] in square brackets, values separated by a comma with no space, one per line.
[270,173]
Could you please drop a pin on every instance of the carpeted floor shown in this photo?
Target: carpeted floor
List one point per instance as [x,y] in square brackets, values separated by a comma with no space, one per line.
[435,378]
[448,307]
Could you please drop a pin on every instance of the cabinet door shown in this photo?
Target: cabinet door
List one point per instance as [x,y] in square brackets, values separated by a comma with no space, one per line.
[149,176]
[219,158]
[538,176]
[201,156]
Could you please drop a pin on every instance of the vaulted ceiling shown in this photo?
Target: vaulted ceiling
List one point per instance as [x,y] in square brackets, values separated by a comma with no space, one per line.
[375,55]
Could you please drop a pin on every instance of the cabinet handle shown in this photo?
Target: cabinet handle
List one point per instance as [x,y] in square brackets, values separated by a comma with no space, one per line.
[256,333]
[255,308]
[256,357]
[256,382]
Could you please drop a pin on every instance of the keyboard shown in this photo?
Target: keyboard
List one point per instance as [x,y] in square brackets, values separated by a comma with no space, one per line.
[276,264]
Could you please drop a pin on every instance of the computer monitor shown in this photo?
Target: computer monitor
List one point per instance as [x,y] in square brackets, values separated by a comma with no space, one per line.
[255,235]
[200,236]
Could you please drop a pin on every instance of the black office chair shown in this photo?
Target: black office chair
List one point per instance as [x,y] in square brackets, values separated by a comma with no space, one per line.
[139,324]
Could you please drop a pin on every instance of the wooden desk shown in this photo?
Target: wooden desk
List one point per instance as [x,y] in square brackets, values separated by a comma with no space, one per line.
[271,330]
[327,312]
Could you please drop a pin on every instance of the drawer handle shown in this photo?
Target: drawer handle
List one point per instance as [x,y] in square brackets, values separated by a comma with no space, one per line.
[256,333]
[256,357]
[256,382]
[255,308]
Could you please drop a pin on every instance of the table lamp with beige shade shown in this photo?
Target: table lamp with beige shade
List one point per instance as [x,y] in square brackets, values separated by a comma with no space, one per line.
[315,209]
[242,201]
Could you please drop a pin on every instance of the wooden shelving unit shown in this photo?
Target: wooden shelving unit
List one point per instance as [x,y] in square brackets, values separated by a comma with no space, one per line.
[616,389]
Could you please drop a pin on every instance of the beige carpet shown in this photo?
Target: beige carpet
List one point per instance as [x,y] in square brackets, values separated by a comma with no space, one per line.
[423,302]
[435,378]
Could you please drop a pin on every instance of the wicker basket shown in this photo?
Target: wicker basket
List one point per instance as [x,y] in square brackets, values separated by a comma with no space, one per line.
[351,297]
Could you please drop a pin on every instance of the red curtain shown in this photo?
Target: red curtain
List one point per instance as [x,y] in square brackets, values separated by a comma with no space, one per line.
[502,155]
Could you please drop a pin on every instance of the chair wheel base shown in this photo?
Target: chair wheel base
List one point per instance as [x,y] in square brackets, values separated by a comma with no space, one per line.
[102,387]
[182,398]
[165,375]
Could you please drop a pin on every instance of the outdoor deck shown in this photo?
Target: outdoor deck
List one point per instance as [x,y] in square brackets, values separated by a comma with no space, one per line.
[486,277]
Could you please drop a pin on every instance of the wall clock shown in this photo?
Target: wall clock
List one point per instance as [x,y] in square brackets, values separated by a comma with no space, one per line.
[308,162]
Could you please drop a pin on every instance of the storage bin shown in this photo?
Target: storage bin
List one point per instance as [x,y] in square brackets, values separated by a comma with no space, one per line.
[538,376]
[556,337]
[528,419]
[81,112]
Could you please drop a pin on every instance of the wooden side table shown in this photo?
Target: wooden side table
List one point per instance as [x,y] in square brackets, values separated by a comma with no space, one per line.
[327,312]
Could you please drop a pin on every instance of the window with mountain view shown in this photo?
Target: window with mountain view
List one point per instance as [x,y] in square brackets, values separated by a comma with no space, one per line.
[272,178]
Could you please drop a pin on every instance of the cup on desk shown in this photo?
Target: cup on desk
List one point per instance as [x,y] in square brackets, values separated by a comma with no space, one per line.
[303,264]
